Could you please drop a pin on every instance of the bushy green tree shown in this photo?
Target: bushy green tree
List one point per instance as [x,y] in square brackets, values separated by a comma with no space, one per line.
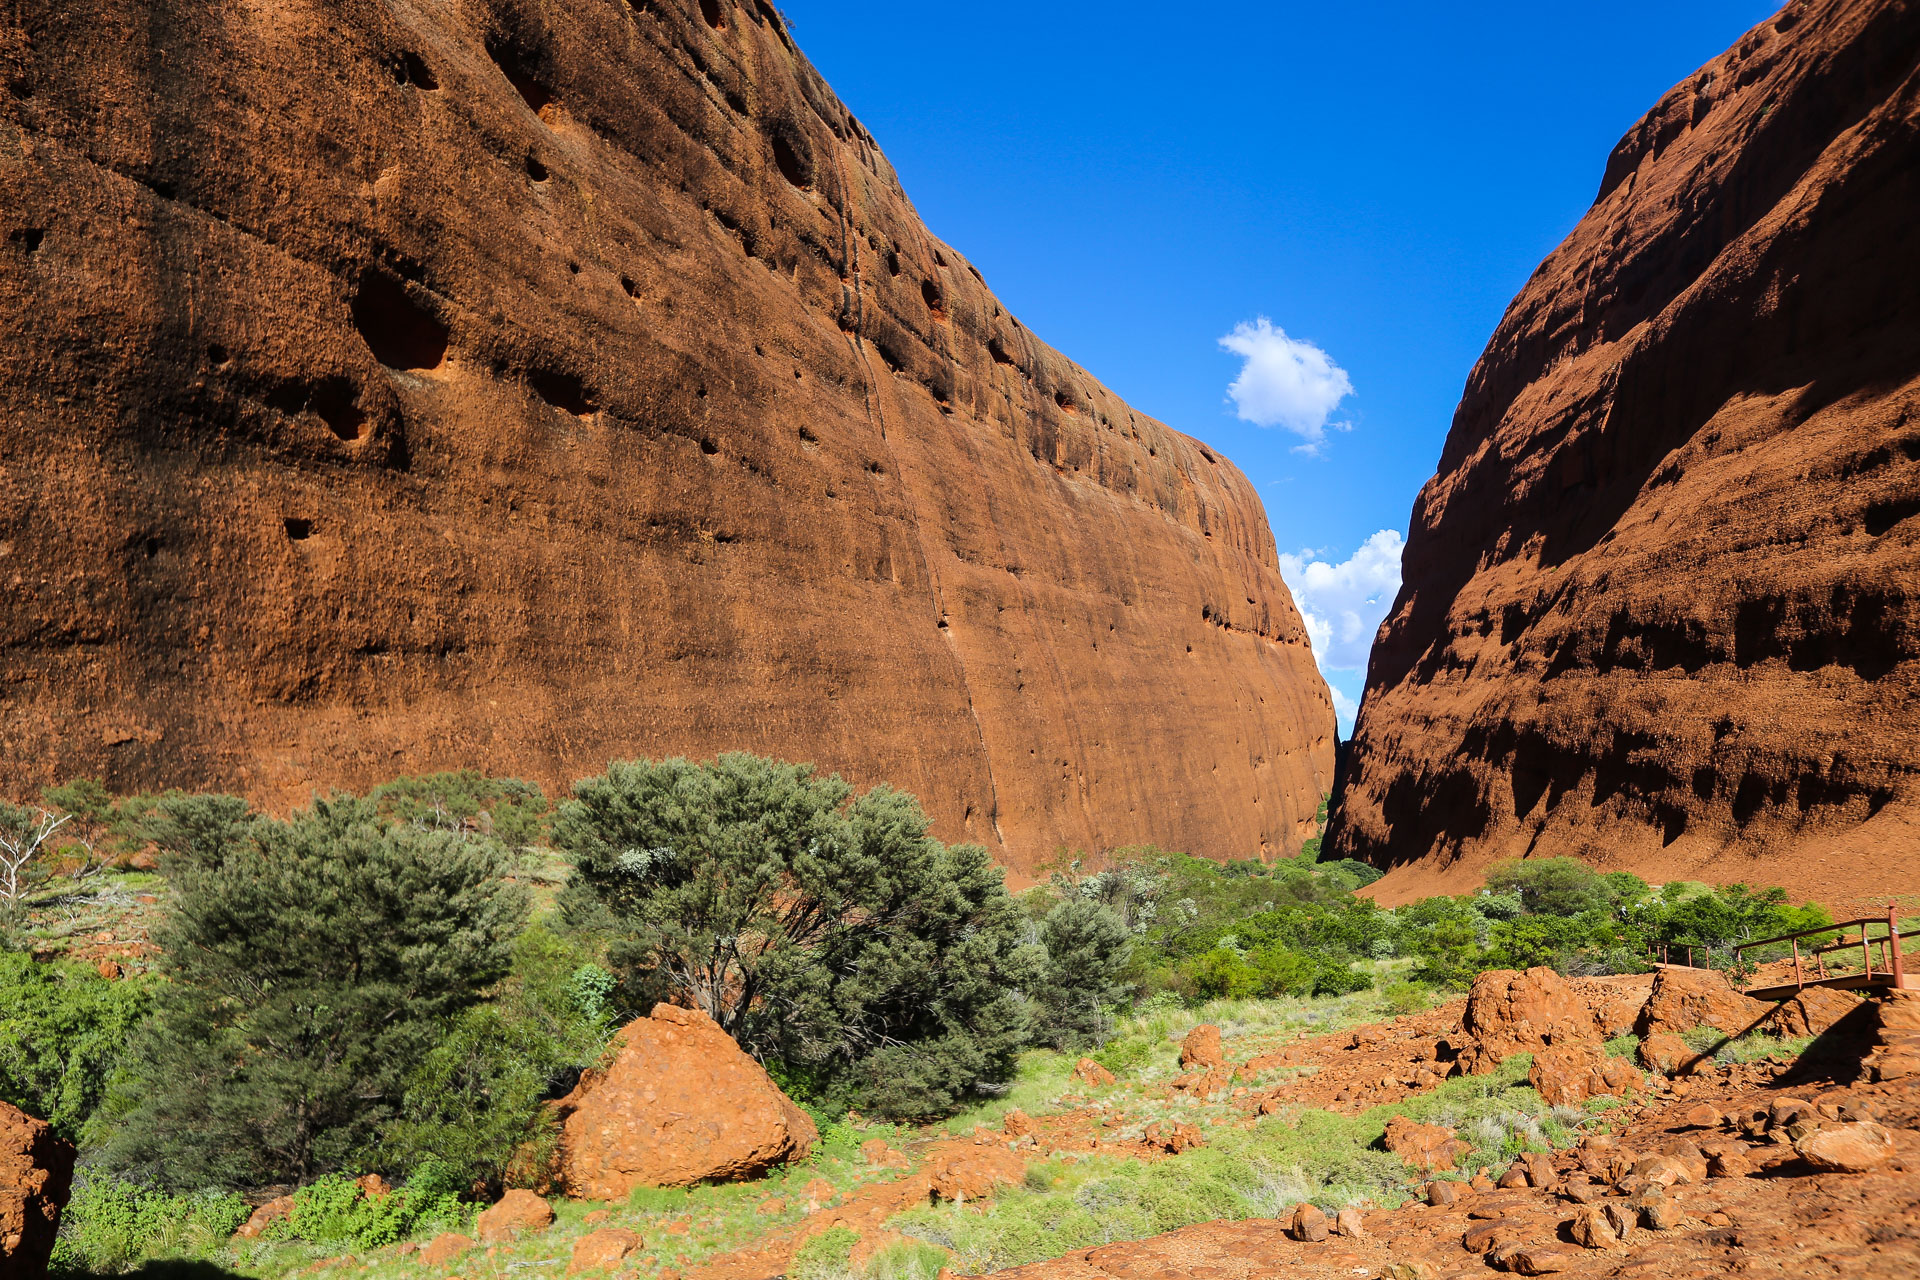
[475,1103]
[311,964]
[1563,886]
[1087,947]
[828,933]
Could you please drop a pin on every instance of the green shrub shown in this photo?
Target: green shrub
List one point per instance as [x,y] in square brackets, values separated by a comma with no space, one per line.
[1087,947]
[62,1027]
[826,1256]
[111,1226]
[1405,998]
[312,964]
[475,1102]
[1124,1055]
[645,1199]
[826,932]
[906,1260]
[333,1210]
[468,802]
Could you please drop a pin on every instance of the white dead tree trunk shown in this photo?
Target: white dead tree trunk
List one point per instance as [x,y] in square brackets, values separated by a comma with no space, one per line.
[18,848]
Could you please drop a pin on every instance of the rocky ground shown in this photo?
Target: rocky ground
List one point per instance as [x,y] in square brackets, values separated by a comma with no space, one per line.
[1696,1162]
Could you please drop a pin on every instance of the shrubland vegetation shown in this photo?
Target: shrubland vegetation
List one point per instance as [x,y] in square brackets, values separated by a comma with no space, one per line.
[399,983]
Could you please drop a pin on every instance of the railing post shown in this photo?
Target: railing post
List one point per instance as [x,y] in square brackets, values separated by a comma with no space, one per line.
[1866,953]
[1799,979]
[1893,945]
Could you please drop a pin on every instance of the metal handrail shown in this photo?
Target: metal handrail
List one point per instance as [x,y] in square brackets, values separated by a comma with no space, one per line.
[1893,963]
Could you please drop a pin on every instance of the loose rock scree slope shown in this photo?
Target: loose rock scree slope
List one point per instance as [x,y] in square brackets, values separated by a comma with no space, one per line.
[1659,605]
[520,385]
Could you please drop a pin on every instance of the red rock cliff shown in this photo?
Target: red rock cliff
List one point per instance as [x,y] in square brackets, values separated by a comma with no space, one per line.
[1662,599]
[521,384]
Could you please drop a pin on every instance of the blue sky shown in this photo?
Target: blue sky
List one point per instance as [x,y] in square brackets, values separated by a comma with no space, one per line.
[1138,182]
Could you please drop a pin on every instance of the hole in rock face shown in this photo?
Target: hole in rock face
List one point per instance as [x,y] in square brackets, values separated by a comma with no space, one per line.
[217,355]
[297,527]
[998,351]
[152,547]
[710,10]
[415,71]
[333,400]
[1884,515]
[709,447]
[573,268]
[1065,402]
[28,238]
[514,65]
[400,333]
[536,170]
[808,436]
[930,293]
[627,285]
[792,167]
[893,263]
[561,390]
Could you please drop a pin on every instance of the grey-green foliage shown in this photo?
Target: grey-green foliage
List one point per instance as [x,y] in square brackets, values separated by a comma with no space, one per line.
[311,964]
[506,809]
[1087,947]
[829,933]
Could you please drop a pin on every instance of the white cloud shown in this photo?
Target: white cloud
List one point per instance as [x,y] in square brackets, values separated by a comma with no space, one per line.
[1345,709]
[1343,605]
[1285,382]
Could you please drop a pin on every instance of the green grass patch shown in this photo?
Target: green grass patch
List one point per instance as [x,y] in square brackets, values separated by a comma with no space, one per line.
[1308,1155]
[1751,1047]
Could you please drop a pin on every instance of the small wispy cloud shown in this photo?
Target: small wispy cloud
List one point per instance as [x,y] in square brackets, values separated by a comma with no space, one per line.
[1285,382]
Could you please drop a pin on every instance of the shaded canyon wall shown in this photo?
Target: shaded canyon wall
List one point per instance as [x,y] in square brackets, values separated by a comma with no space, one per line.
[1662,598]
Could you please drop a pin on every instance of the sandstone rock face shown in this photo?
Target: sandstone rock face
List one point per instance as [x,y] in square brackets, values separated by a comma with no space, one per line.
[444,1248]
[602,1250]
[1659,607]
[1092,1074]
[965,1174]
[1569,1074]
[36,1176]
[1683,999]
[519,384]
[278,1209]
[1895,1051]
[1201,1047]
[1513,1012]
[519,1212]
[1812,1012]
[1847,1148]
[1665,1053]
[680,1104]
[1431,1147]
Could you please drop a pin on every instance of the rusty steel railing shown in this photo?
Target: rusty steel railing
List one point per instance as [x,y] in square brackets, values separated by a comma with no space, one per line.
[1893,970]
